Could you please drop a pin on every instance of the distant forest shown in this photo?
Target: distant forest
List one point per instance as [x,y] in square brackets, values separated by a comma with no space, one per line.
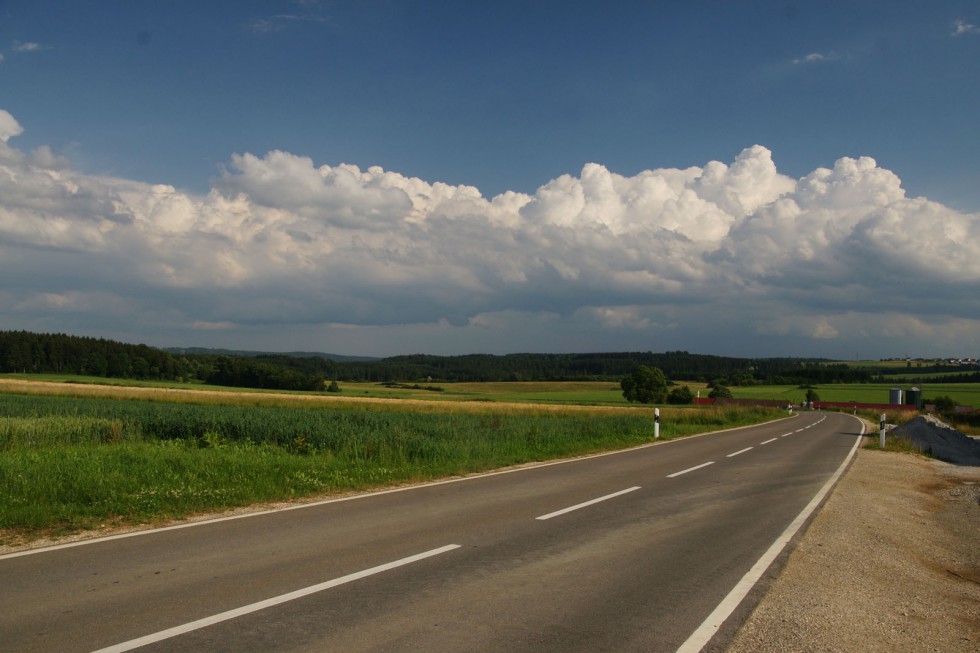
[36,353]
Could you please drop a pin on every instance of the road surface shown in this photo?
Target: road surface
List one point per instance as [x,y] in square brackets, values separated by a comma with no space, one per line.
[630,551]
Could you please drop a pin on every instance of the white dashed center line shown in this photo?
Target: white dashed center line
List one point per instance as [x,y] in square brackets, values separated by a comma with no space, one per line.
[690,469]
[261,605]
[587,503]
[732,455]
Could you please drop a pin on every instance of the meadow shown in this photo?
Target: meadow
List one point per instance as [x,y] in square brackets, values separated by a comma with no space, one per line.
[966,394]
[77,456]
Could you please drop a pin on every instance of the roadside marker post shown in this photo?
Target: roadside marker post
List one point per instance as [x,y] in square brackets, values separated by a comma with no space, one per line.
[881,430]
[656,423]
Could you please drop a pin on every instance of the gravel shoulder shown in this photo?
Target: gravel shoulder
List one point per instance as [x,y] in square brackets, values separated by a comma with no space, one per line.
[890,563]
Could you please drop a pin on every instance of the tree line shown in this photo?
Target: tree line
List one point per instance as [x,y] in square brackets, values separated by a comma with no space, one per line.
[27,352]
[55,353]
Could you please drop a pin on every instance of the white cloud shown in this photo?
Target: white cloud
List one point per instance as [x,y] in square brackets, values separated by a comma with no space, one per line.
[213,326]
[963,28]
[817,57]
[9,127]
[307,11]
[701,258]
[27,47]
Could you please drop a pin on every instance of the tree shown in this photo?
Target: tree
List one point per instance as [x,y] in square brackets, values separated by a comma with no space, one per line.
[681,395]
[720,392]
[811,395]
[646,385]
[945,405]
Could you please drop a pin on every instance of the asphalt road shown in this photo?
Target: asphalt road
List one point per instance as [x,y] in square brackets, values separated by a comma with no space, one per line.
[622,552]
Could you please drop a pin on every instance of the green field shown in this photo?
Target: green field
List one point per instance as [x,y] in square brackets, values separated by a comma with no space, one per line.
[966,394]
[593,393]
[76,455]
[581,393]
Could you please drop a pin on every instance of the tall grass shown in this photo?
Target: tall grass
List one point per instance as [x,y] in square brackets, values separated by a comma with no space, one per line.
[74,462]
[78,486]
[59,430]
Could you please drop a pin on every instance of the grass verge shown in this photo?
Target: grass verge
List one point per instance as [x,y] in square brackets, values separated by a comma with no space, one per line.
[70,463]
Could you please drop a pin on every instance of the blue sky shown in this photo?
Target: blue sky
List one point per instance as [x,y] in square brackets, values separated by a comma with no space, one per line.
[189,130]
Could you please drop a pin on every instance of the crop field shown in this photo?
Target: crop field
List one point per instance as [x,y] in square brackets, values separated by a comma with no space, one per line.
[76,454]
[563,392]
[584,393]
[966,394]
[79,456]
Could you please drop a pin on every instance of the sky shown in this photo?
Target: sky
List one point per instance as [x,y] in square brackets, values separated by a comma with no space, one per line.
[378,177]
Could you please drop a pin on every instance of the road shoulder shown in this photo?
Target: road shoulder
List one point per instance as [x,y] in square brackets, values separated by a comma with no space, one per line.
[889,564]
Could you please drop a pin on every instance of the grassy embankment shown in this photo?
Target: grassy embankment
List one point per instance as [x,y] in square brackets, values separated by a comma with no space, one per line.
[75,456]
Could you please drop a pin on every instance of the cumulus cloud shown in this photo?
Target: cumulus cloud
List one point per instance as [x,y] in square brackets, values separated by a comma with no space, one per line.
[9,127]
[280,248]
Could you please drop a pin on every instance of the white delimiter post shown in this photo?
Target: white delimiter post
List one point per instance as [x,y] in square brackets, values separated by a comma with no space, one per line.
[882,430]
[656,423]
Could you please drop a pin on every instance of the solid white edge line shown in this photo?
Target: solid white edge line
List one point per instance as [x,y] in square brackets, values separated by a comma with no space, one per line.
[732,455]
[768,441]
[587,503]
[710,626]
[261,605]
[690,469]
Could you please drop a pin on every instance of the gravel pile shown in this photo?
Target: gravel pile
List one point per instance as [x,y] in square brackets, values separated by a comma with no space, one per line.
[937,439]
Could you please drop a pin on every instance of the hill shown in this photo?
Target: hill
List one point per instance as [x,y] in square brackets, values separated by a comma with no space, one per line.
[208,351]
[25,352]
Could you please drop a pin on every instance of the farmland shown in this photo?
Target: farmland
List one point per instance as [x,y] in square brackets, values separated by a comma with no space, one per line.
[568,393]
[967,394]
[76,453]
[80,456]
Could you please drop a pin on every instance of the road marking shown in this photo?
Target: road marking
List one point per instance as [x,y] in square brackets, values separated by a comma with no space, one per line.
[732,455]
[801,430]
[268,603]
[700,637]
[768,441]
[587,503]
[690,469]
[785,434]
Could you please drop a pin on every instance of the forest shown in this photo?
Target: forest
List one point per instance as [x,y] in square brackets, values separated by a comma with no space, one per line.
[40,353]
